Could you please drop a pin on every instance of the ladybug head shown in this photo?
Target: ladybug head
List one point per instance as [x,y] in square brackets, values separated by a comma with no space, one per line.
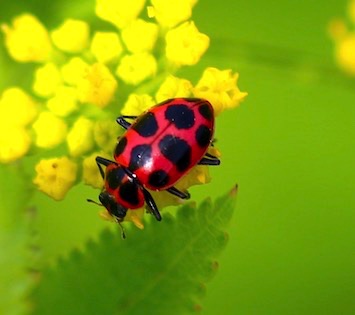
[114,208]
[117,211]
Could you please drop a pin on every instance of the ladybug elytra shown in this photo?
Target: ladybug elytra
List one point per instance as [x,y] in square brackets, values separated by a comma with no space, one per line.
[156,150]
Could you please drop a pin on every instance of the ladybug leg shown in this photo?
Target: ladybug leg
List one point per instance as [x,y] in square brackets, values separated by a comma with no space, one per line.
[147,196]
[151,203]
[176,192]
[102,161]
[123,122]
[209,159]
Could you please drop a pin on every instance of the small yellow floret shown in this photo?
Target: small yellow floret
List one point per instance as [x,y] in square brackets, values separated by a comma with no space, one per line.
[47,79]
[137,104]
[50,130]
[140,36]
[72,36]
[170,13]
[106,46]
[80,138]
[106,133]
[198,175]
[220,88]
[185,45]
[98,86]
[119,12]
[173,87]
[345,54]
[64,101]
[27,40]
[74,71]
[135,216]
[14,142]
[91,174]
[17,107]
[55,176]
[133,69]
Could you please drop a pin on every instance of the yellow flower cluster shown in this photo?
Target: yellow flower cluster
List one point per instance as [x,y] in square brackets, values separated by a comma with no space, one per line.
[86,77]
[344,39]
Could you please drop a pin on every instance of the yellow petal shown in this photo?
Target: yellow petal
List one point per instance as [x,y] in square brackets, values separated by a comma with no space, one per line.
[185,45]
[133,69]
[14,143]
[220,88]
[27,39]
[106,46]
[173,87]
[55,176]
[80,138]
[47,80]
[17,107]
[140,36]
[98,86]
[119,12]
[50,130]
[72,36]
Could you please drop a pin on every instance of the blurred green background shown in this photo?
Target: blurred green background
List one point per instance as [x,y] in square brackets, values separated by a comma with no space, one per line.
[290,147]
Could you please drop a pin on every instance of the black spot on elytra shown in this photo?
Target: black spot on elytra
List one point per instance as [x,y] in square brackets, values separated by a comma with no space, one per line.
[203,136]
[205,110]
[177,151]
[129,193]
[114,177]
[146,126]
[180,115]
[120,147]
[140,155]
[158,178]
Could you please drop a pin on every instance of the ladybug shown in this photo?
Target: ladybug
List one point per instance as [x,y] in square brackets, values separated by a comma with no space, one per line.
[156,150]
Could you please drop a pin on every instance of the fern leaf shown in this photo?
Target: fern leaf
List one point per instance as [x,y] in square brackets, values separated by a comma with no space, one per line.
[161,270]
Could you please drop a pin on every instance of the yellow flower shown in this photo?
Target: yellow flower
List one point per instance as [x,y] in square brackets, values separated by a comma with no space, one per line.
[140,36]
[173,87]
[50,130]
[14,143]
[55,176]
[47,79]
[98,86]
[220,88]
[119,12]
[106,46]
[135,216]
[185,45]
[170,13]
[345,53]
[27,40]
[133,69]
[17,107]
[137,104]
[91,174]
[80,138]
[63,102]
[74,71]
[72,36]
[106,133]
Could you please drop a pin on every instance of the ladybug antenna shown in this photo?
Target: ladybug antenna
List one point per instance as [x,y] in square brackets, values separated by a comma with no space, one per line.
[93,201]
[123,234]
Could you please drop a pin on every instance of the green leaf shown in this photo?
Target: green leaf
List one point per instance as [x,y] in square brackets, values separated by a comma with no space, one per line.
[161,270]
[16,241]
